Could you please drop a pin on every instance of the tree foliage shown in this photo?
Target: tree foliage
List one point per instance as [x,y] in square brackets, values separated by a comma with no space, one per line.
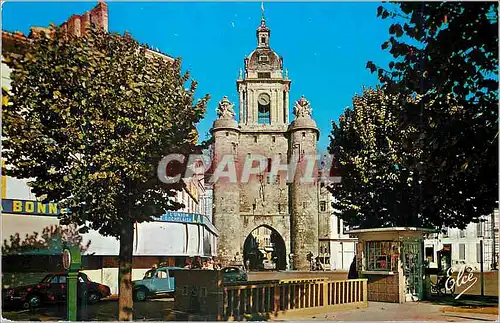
[89,118]
[446,59]
[379,185]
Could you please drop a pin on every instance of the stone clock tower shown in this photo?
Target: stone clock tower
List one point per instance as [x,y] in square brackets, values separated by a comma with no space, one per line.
[289,210]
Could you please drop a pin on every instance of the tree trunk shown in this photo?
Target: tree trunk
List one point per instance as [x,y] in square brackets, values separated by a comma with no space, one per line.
[125,301]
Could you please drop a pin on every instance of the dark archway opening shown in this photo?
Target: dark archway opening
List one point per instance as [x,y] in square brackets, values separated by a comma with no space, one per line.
[264,249]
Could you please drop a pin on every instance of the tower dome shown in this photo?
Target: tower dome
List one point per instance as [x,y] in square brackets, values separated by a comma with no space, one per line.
[263,58]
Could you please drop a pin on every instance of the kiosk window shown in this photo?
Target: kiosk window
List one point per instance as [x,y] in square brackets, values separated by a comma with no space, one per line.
[378,255]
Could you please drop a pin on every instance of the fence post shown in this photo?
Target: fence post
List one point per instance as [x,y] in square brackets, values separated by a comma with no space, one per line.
[276,306]
[365,291]
[324,285]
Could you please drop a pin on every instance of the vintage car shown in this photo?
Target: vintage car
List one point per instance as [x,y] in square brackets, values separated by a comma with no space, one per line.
[155,282]
[52,289]
[233,274]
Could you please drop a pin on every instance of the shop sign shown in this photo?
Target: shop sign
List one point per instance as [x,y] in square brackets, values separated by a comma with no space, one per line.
[183,217]
[27,207]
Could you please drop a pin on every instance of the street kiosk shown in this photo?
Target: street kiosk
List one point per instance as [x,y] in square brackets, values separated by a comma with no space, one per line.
[392,261]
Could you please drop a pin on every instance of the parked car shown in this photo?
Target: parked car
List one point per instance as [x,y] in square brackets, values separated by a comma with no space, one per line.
[52,289]
[233,274]
[155,282]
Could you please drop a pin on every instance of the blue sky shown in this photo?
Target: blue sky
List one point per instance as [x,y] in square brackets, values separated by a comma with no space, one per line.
[325,46]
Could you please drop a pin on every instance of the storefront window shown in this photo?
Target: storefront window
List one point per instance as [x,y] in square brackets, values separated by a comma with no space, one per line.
[378,255]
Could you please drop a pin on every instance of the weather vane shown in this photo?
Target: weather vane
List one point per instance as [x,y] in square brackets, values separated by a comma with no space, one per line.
[262,8]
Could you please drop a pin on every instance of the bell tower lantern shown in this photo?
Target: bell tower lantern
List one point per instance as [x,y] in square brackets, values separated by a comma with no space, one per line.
[263,89]
[263,34]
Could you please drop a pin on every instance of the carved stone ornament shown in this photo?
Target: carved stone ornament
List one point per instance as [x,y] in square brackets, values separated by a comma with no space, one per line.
[302,108]
[225,109]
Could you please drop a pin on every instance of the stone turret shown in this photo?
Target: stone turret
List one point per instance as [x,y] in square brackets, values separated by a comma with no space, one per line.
[226,196]
[303,134]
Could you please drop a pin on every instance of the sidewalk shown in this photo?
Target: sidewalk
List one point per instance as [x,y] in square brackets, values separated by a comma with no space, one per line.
[417,311]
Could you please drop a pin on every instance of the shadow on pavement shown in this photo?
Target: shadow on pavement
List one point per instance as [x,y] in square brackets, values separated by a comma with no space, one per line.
[468,317]
[465,301]
[105,310]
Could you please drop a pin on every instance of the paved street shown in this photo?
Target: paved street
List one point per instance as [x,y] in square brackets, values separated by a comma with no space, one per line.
[421,311]
[158,309]
[106,310]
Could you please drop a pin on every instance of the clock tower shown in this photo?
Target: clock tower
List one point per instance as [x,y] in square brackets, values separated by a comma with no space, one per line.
[263,89]
[264,200]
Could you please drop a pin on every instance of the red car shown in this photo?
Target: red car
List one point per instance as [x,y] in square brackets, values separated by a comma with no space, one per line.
[52,289]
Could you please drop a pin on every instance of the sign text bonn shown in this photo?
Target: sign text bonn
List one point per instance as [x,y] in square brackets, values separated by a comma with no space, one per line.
[30,207]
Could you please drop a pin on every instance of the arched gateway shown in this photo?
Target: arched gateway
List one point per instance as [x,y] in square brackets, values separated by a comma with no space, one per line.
[263,129]
[264,244]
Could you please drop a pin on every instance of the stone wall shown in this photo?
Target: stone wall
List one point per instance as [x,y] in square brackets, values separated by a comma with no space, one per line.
[226,198]
[304,199]
[382,288]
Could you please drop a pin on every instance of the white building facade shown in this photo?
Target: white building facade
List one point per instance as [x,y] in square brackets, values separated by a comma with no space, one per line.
[465,245]
[336,249]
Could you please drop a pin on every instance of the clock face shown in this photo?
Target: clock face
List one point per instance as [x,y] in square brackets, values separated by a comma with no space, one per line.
[66,257]
[264,99]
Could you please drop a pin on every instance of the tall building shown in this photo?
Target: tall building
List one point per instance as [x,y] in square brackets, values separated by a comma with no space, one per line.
[263,128]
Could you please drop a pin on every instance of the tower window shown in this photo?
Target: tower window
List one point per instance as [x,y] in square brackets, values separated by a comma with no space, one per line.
[227,133]
[263,39]
[264,75]
[254,138]
[263,58]
[322,206]
[274,139]
[303,135]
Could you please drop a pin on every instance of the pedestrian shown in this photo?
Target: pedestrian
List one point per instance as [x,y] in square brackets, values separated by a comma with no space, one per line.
[210,264]
[197,263]
[353,274]
[188,263]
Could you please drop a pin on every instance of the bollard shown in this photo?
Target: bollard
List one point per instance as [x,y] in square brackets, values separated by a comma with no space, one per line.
[72,261]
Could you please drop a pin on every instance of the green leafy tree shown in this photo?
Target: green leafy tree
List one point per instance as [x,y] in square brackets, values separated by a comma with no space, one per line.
[446,58]
[379,185]
[89,118]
